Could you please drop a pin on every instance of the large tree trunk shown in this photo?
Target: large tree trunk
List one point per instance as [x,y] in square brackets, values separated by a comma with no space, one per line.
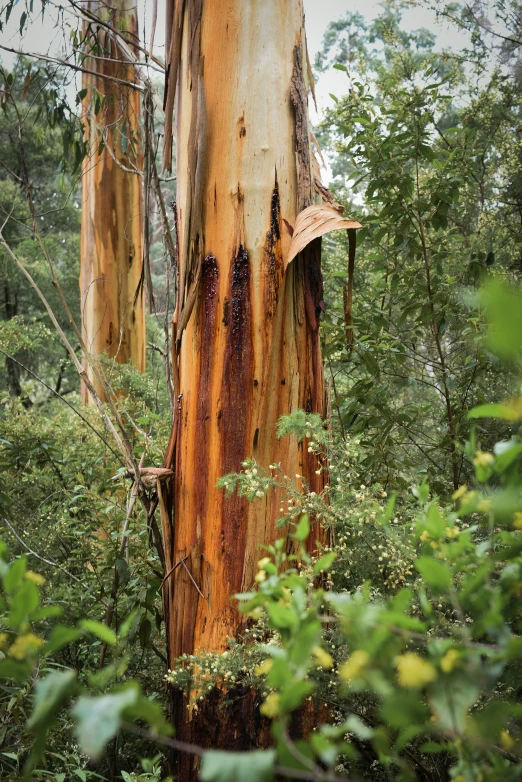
[112,301]
[245,330]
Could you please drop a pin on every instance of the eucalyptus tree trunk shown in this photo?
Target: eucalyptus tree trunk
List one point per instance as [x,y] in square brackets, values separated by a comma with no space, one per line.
[246,324]
[111,279]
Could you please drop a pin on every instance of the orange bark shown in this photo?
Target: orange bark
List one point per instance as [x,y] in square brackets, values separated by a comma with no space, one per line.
[113,315]
[247,331]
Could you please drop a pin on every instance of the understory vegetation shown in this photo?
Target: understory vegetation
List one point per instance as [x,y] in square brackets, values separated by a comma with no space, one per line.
[403,633]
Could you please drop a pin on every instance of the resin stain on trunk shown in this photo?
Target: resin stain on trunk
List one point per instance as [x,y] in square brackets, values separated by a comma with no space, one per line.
[273,260]
[236,407]
[248,352]
[246,331]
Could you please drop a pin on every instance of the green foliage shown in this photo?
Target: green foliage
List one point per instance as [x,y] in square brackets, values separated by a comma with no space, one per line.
[237,766]
[419,675]
[28,659]
[426,159]
[407,626]
[436,664]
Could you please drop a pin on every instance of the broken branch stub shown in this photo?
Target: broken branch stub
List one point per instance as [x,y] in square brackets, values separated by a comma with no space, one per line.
[315,221]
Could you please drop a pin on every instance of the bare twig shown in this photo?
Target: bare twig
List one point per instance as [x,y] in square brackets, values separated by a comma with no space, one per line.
[39,556]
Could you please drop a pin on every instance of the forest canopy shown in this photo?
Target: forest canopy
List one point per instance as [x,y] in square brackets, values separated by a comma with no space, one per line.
[260,395]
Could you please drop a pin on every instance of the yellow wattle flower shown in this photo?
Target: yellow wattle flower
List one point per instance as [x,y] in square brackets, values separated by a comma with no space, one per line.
[450,660]
[506,740]
[264,667]
[25,645]
[354,666]
[36,578]
[270,706]
[413,671]
[461,491]
[324,659]
[483,459]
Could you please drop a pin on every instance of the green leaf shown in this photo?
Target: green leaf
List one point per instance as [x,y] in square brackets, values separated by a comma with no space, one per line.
[46,612]
[61,636]
[281,617]
[18,670]
[506,453]
[324,563]
[451,700]
[435,522]
[50,694]
[123,570]
[103,632]
[388,512]
[437,574]
[504,307]
[23,603]
[145,632]
[502,411]
[355,725]
[302,530]
[308,636]
[99,719]
[402,709]
[15,575]
[81,95]
[221,766]
[294,694]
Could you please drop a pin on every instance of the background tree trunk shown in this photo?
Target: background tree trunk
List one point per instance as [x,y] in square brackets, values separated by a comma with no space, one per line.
[111,286]
[245,330]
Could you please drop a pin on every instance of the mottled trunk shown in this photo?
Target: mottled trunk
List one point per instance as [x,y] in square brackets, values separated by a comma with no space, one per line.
[112,301]
[246,331]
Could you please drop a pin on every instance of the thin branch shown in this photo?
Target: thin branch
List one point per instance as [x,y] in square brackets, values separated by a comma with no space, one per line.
[74,409]
[194,749]
[57,61]
[38,556]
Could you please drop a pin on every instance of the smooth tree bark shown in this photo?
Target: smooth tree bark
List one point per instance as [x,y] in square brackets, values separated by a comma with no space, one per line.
[245,328]
[111,272]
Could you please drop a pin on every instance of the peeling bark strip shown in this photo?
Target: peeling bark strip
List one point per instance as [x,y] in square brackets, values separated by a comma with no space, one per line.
[299,97]
[245,331]
[173,28]
[313,222]
[113,316]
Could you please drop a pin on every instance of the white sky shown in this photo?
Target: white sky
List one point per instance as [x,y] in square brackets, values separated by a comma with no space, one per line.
[48,36]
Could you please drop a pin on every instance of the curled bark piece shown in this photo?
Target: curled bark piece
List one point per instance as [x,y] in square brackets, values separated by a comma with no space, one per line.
[315,221]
